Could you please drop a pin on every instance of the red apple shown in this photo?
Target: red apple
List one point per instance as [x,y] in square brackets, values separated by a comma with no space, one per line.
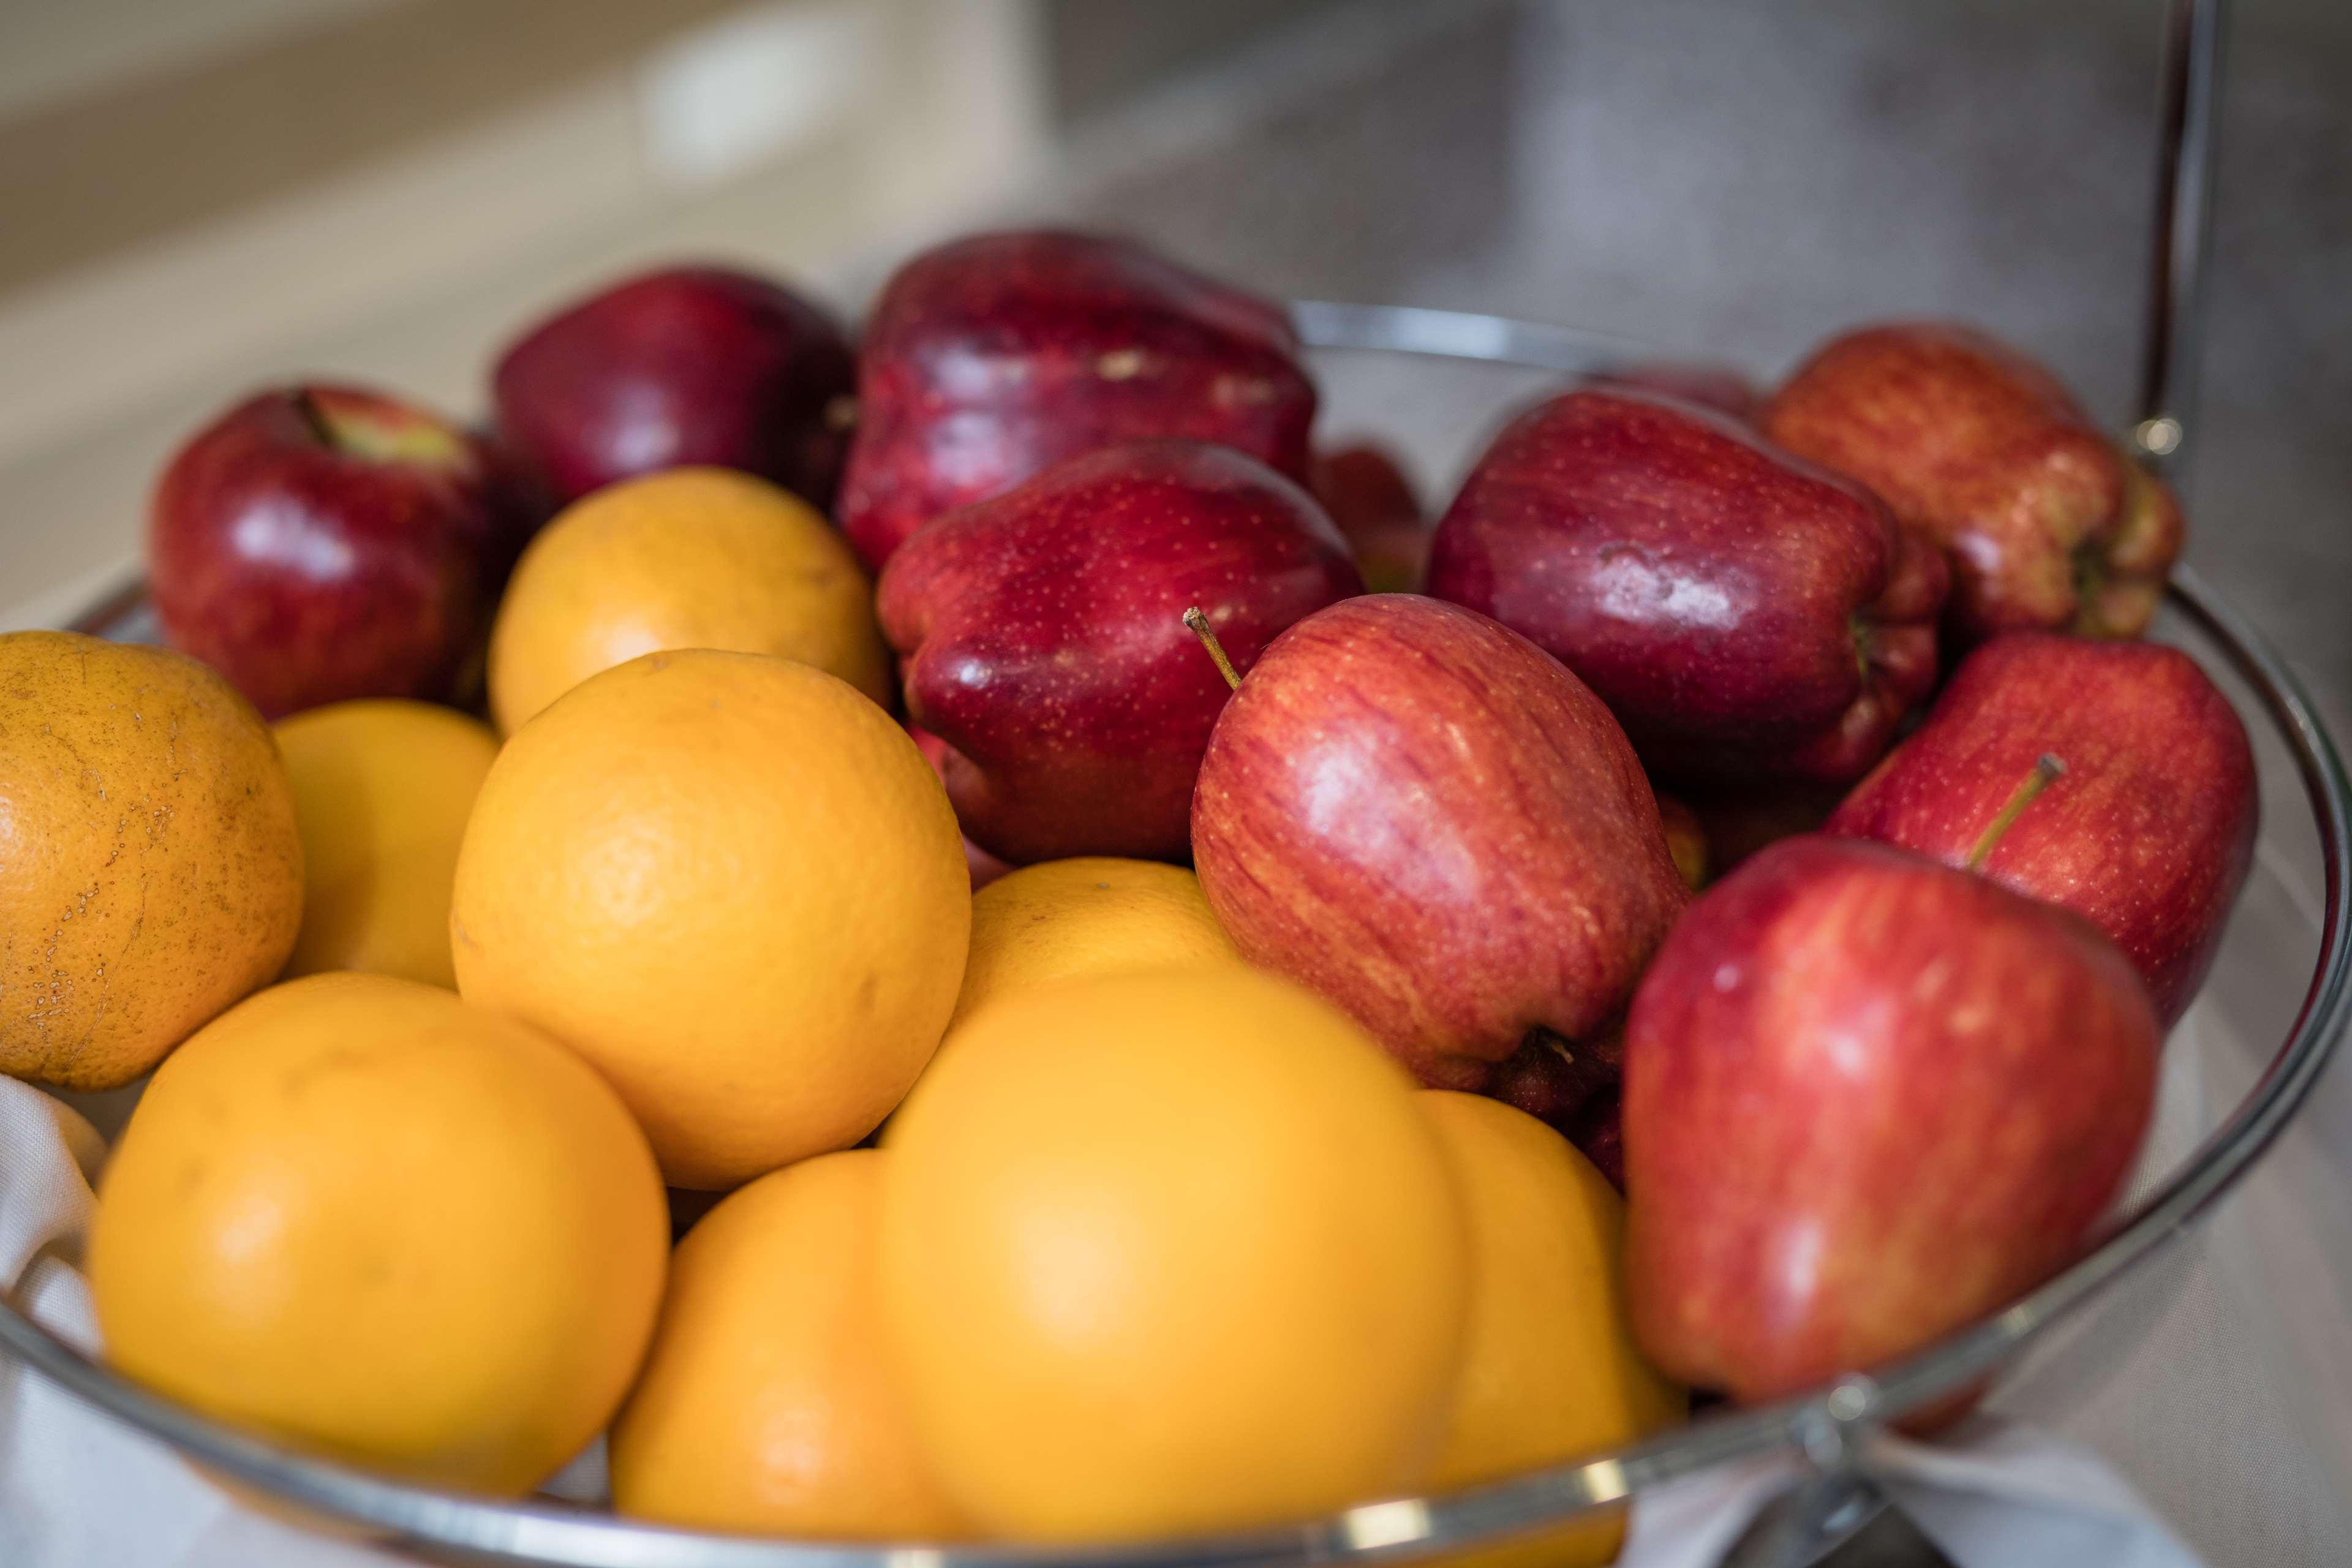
[1044,638]
[2049,525]
[1420,814]
[686,365]
[993,357]
[321,542]
[1744,615]
[2147,831]
[1364,488]
[1722,387]
[984,867]
[1868,1100]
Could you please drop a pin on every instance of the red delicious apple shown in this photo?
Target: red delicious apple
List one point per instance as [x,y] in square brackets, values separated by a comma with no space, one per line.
[992,357]
[1744,615]
[2147,831]
[687,365]
[1422,816]
[1364,488]
[984,867]
[1868,1100]
[321,542]
[2049,525]
[1045,640]
[1722,387]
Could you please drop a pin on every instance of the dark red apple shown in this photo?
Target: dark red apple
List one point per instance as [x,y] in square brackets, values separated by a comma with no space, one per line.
[686,365]
[1599,1131]
[989,358]
[984,867]
[1868,1100]
[2050,526]
[1420,814]
[320,543]
[1722,387]
[1738,820]
[1364,488]
[1044,640]
[1744,615]
[2147,831]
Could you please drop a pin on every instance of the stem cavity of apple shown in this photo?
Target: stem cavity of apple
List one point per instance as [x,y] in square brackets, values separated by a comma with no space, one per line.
[321,428]
[2045,769]
[1199,623]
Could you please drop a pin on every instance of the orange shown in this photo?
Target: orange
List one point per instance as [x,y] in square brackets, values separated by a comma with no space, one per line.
[382,790]
[1169,1252]
[685,558]
[1093,915]
[769,1403]
[356,1214]
[150,869]
[734,884]
[1550,1370]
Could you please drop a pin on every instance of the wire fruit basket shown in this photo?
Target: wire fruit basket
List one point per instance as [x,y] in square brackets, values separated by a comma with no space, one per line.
[2278,1005]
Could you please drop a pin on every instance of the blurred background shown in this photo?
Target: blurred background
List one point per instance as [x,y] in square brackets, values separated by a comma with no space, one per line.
[201,195]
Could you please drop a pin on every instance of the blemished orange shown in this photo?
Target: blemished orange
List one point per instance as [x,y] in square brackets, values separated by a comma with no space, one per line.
[734,884]
[685,558]
[355,1213]
[769,1403]
[381,791]
[1549,1369]
[1170,1252]
[151,873]
[1059,920]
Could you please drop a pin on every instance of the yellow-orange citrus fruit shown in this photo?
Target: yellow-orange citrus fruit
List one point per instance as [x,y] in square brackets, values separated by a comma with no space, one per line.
[382,790]
[1093,915]
[359,1215]
[150,869]
[769,1403]
[1550,1367]
[684,558]
[1170,1252]
[734,885]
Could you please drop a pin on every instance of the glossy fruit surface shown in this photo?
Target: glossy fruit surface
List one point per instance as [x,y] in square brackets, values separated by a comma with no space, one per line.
[993,357]
[2048,524]
[382,792]
[687,558]
[1549,1369]
[1423,817]
[1868,1099]
[682,366]
[356,1214]
[2148,830]
[317,543]
[731,882]
[1168,1253]
[770,1403]
[1744,614]
[1061,919]
[1044,640]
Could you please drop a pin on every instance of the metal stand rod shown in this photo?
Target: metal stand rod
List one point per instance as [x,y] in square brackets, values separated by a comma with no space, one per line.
[2186,136]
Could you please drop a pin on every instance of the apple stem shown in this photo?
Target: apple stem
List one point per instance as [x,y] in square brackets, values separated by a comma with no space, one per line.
[1200,625]
[308,410]
[2047,768]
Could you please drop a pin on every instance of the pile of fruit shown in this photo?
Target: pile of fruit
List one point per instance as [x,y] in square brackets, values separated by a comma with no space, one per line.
[1138,1036]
